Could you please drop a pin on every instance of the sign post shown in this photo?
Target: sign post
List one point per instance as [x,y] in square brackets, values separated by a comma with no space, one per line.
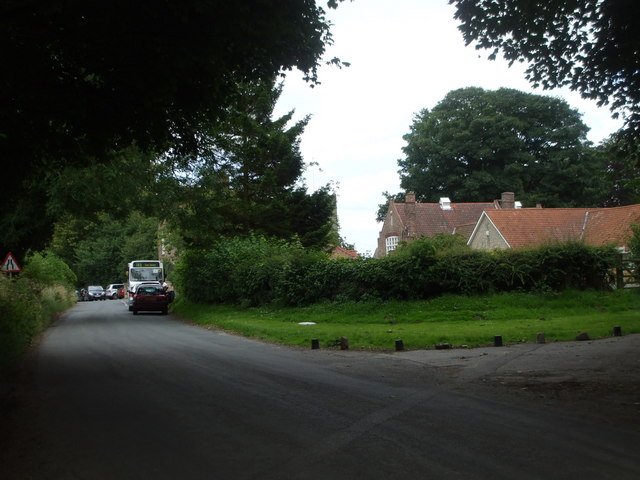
[10,265]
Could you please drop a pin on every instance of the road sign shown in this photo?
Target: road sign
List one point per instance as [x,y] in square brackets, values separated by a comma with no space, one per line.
[10,264]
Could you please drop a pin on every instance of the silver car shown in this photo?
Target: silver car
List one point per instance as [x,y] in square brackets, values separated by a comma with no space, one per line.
[95,292]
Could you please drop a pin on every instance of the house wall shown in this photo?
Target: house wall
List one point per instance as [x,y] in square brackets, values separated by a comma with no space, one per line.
[486,236]
[391,226]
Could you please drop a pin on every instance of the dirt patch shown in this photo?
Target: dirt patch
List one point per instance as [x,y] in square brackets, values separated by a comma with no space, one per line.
[598,379]
[616,404]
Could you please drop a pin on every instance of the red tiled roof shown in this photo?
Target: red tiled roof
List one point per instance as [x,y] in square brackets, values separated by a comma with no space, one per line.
[431,218]
[611,225]
[596,226]
[465,230]
[535,226]
[341,252]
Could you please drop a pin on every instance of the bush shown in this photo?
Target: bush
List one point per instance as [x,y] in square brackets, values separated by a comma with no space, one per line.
[29,301]
[21,317]
[47,268]
[634,246]
[250,271]
[256,271]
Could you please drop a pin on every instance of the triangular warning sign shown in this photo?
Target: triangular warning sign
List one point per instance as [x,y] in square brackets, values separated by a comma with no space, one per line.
[10,264]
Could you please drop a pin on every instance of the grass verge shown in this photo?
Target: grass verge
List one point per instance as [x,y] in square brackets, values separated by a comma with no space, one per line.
[458,320]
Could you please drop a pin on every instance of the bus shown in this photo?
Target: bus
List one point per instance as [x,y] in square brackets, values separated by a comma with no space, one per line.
[139,271]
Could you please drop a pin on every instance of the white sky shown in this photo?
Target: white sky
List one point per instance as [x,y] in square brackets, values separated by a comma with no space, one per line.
[405,55]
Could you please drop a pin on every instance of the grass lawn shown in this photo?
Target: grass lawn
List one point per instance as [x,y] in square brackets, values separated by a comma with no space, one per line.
[459,320]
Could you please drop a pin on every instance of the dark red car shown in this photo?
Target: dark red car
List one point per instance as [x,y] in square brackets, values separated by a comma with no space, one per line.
[150,298]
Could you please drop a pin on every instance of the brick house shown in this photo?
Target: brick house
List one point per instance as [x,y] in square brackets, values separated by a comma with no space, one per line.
[530,227]
[408,220]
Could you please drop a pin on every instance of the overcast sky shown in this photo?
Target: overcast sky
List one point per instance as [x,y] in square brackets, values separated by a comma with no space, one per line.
[405,55]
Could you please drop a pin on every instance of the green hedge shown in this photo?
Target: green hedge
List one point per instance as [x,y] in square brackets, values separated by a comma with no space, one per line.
[29,300]
[257,271]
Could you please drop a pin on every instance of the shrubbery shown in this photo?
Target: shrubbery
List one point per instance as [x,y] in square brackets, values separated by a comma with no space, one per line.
[256,271]
[47,268]
[28,302]
[634,245]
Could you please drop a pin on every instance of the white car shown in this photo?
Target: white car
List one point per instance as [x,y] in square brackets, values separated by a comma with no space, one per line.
[112,290]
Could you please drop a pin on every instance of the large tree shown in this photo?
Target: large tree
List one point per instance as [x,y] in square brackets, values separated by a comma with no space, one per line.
[98,251]
[85,80]
[591,46]
[247,178]
[476,143]
[623,169]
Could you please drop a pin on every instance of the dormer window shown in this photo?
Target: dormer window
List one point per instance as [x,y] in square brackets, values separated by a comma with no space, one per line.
[445,203]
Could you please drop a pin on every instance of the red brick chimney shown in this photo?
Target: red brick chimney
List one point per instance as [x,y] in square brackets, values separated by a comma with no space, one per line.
[508,200]
[410,214]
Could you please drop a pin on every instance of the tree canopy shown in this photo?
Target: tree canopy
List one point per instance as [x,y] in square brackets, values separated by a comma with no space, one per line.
[244,180]
[591,46]
[248,178]
[98,251]
[623,169]
[87,80]
[87,77]
[476,143]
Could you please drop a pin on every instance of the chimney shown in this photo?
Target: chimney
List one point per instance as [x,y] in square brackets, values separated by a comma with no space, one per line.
[410,214]
[508,200]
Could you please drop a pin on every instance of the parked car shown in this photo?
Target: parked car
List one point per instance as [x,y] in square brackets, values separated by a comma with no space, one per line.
[132,292]
[95,292]
[112,290]
[150,298]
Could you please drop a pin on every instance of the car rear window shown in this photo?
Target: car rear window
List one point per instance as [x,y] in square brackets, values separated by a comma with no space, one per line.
[150,290]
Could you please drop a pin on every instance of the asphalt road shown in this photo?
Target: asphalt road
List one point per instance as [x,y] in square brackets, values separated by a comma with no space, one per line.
[106,395]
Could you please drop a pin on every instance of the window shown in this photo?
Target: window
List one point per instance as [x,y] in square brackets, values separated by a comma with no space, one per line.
[392,244]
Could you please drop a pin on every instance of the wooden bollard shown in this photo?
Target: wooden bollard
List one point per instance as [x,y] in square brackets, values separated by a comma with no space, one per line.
[344,343]
[399,346]
[540,338]
[497,341]
[617,331]
[315,344]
